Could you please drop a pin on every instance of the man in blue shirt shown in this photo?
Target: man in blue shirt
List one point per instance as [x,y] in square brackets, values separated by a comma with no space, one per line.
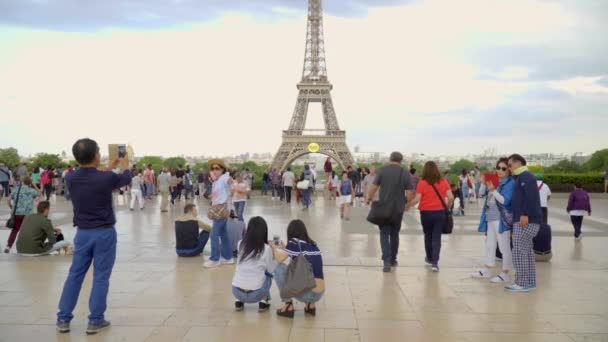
[95,241]
[527,218]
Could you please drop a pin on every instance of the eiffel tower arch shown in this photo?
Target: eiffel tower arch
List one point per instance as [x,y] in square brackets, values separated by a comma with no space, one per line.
[314,87]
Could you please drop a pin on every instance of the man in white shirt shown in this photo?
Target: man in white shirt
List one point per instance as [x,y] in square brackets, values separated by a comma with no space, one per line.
[163,188]
[545,195]
[288,181]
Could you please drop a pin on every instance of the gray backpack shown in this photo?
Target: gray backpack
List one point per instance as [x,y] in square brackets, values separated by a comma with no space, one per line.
[299,277]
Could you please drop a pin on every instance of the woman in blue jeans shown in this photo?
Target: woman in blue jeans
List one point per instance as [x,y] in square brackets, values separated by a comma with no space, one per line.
[221,251]
[307,176]
[431,193]
[299,243]
[255,264]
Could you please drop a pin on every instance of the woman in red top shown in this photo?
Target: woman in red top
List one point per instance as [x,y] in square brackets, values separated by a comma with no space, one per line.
[432,212]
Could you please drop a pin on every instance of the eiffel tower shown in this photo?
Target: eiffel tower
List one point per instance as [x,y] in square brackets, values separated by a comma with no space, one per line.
[314,87]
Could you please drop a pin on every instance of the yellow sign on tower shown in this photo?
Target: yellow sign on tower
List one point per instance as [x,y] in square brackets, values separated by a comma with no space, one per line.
[313,147]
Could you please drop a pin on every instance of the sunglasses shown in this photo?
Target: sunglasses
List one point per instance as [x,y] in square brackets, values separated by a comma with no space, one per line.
[501,168]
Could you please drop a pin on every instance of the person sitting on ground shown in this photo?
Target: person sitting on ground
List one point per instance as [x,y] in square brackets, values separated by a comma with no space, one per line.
[299,242]
[255,264]
[236,232]
[189,242]
[38,236]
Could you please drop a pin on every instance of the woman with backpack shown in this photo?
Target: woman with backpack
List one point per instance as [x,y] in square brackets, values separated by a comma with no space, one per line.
[497,223]
[299,243]
[254,267]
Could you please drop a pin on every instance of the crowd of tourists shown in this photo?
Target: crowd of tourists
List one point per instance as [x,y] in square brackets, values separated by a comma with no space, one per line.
[514,220]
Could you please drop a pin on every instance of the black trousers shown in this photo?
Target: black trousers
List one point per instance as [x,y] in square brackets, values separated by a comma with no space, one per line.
[432,225]
[577,222]
[545,215]
[288,194]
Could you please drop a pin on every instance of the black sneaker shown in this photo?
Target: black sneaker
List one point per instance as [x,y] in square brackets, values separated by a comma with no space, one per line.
[239,306]
[394,263]
[63,327]
[263,306]
[93,329]
[387,267]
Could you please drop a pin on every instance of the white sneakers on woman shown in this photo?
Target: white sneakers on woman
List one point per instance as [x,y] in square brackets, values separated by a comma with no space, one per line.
[485,273]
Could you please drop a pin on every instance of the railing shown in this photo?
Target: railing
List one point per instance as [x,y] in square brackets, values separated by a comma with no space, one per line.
[316,132]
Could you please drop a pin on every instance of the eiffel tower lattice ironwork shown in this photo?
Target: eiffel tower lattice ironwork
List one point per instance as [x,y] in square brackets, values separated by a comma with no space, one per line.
[314,87]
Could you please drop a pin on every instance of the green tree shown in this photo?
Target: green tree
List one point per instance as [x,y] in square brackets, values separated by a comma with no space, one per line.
[458,166]
[157,163]
[45,160]
[598,161]
[174,162]
[9,156]
[566,166]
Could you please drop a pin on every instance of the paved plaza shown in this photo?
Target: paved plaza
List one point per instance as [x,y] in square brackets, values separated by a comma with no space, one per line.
[154,296]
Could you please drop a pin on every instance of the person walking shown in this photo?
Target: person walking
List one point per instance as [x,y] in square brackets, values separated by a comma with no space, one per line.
[187,182]
[149,182]
[306,193]
[493,222]
[164,185]
[221,252]
[46,179]
[463,182]
[22,203]
[415,178]
[579,204]
[200,179]
[347,195]
[328,168]
[545,195]
[431,195]
[369,180]
[36,179]
[275,181]
[395,186]
[288,182]
[137,184]
[5,179]
[95,241]
[240,190]
[476,174]
[527,218]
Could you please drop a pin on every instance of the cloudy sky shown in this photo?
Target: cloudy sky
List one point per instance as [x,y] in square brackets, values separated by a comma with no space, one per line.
[218,77]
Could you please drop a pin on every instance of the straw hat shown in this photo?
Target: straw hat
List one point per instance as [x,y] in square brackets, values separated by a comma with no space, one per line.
[218,162]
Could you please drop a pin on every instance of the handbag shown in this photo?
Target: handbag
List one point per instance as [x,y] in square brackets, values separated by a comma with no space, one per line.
[218,212]
[10,223]
[505,215]
[303,185]
[449,224]
[299,277]
[381,211]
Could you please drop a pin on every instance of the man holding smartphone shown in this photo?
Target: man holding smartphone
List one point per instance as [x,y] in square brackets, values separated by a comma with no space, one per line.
[95,241]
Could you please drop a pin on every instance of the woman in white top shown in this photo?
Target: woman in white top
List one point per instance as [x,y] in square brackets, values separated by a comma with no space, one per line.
[255,265]
[136,184]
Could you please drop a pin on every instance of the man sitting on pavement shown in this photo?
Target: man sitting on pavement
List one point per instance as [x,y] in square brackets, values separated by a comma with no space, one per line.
[38,236]
[189,242]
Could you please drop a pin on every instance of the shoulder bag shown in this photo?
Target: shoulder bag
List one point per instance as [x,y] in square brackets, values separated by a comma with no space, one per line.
[381,212]
[449,224]
[11,221]
[505,215]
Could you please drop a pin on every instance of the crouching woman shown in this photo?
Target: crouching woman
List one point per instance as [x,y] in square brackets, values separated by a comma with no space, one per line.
[298,242]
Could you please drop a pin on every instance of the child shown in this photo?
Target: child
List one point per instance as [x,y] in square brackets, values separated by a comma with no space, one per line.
[578,205]
[346,190]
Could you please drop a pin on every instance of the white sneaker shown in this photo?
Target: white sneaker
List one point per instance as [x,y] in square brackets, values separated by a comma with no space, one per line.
[211,264]
[483,273]
[579,238]
[501,278]
[226,262]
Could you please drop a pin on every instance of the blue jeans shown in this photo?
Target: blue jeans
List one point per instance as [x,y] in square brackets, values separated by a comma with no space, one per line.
[203,237]
[5,188]
[477,187]
[265,186]
[306,197]
[389,239]
[240,208]
[149,189]
[220,232]
[256,295]
[97,246]
[432,225]
[308,297]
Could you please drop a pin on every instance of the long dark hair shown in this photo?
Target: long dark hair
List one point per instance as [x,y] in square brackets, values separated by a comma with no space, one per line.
[430,173]
[297,230]
[255,239]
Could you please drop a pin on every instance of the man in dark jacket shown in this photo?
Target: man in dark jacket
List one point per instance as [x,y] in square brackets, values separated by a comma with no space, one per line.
[527,218]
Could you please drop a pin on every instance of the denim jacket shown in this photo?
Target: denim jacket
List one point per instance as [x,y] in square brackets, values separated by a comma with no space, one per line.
[506,187]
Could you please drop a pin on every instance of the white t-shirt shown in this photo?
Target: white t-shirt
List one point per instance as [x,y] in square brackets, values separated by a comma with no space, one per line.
[136,183]
[288,178]
[220,194]
[250,274]
[545,192]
